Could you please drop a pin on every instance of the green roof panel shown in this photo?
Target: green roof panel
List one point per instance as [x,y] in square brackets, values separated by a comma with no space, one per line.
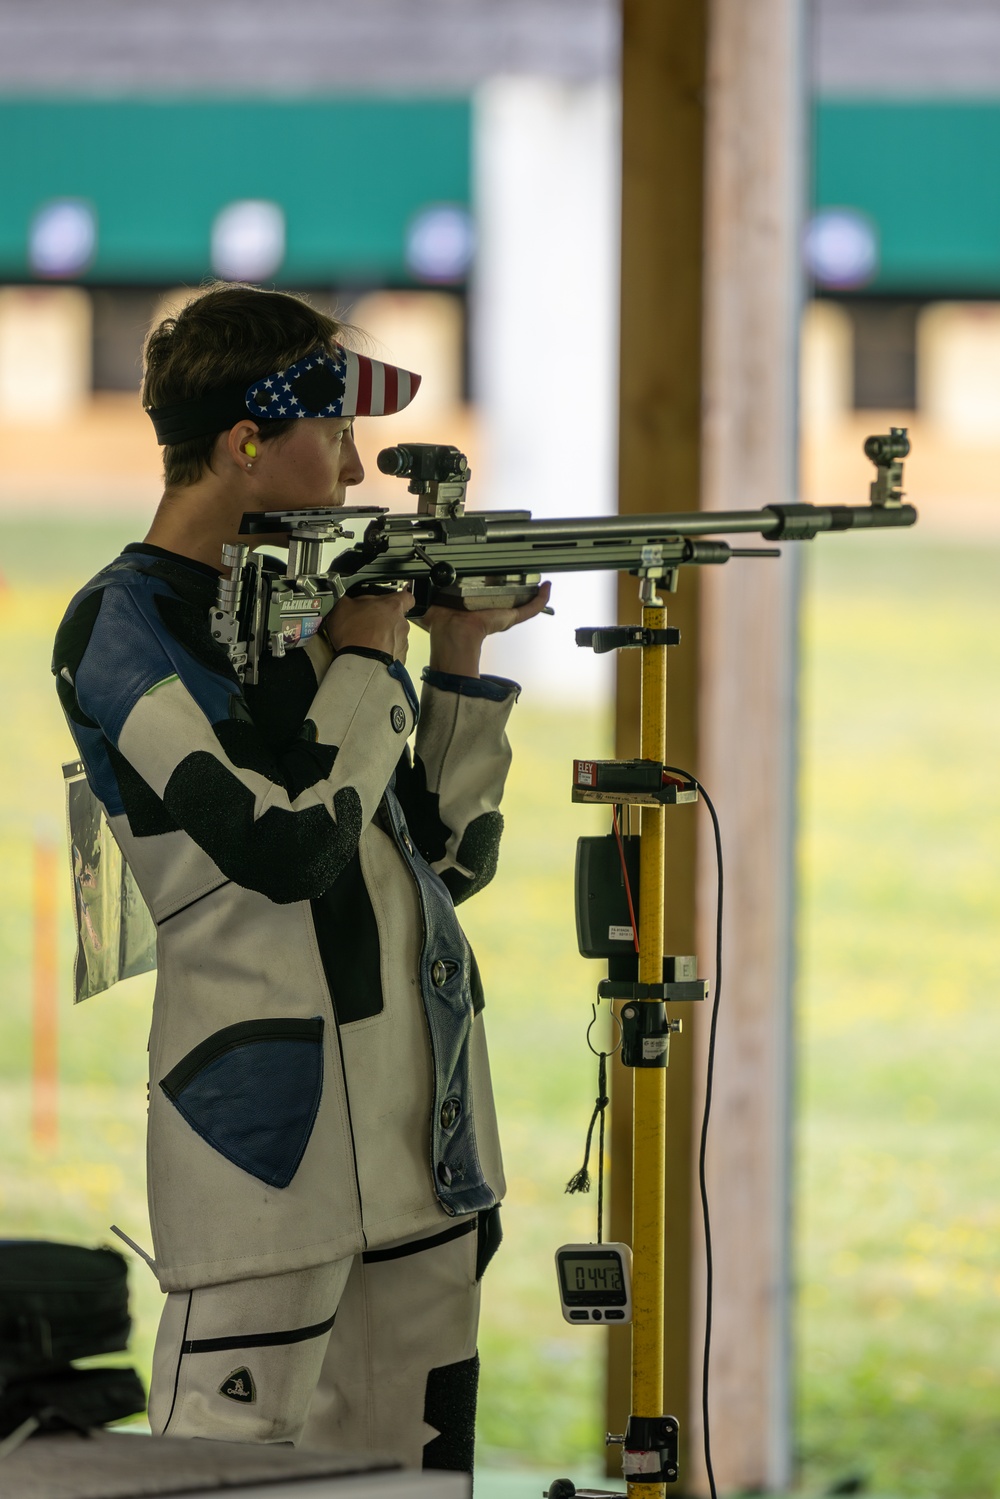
[927,174]
[348,173]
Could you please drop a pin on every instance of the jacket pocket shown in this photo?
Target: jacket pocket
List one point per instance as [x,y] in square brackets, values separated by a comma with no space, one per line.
[252,1091]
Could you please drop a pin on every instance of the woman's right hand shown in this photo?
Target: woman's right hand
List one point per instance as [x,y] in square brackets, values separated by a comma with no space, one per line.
[375,622]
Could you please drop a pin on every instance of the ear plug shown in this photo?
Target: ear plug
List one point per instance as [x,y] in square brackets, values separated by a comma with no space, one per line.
[250,450]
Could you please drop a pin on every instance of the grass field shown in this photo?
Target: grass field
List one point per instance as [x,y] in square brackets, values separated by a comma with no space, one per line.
[899,1177]
[898,1192]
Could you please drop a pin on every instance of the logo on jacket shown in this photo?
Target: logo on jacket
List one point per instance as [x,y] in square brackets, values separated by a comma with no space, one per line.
[397,718]
[239,1386]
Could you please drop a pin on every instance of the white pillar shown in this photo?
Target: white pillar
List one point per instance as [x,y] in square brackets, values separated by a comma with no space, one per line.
[544,340]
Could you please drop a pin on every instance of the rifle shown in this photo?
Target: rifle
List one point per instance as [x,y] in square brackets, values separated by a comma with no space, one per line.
[492,559]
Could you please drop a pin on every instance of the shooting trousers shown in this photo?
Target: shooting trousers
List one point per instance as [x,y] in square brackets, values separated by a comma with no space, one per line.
[377,1352]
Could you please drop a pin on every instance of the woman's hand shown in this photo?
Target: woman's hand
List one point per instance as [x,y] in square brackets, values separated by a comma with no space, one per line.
[375,622]
[457,635]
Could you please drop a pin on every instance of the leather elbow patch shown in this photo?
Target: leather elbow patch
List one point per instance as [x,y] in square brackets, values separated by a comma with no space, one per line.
[286,855]
[479,851]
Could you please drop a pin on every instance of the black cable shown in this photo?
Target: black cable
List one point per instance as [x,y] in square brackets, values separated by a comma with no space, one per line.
[709,1075]
[602,1071]
[625,878]
[580,1182]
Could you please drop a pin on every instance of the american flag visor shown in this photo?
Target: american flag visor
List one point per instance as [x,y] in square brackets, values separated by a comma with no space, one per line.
[321,384]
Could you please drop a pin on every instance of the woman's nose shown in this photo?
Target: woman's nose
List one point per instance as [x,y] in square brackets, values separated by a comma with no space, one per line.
[352,470]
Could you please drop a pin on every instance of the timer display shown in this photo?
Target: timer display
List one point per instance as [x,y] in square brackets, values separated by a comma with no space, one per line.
[592,1275]
[594,1282]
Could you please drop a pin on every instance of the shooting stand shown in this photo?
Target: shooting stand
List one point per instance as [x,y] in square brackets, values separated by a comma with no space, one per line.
[650,1444]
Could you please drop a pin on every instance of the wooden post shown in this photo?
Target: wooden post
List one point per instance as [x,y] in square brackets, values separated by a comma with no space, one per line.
[730,710]
[754,150]
[663,77]
[44,1009]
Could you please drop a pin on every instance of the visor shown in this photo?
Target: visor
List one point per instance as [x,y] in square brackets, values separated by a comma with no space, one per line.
[340,383]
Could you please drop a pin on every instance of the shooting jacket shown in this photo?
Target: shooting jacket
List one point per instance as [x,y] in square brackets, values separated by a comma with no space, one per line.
[319,1081]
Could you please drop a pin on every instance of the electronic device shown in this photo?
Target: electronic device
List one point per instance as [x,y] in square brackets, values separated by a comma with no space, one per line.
[595,1283]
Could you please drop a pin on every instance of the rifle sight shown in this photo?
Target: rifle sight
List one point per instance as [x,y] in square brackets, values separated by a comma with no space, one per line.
[428,462]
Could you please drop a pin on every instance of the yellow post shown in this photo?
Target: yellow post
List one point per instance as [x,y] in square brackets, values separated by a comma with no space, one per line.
[663,209]
[649,1083]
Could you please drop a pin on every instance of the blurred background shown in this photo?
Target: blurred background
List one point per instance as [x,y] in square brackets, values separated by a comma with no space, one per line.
[445,176]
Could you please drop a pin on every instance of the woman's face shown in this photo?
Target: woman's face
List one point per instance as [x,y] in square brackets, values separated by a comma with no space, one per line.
[312,466]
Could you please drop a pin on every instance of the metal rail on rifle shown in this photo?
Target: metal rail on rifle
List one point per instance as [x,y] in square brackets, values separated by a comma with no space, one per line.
[490,559]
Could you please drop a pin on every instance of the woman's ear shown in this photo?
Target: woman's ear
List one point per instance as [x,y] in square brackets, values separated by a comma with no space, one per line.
[243,444]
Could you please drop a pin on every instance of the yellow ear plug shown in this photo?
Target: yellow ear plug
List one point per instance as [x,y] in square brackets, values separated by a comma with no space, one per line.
[250,450]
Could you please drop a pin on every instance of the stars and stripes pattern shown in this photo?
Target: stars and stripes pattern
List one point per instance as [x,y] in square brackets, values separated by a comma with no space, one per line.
[339,384]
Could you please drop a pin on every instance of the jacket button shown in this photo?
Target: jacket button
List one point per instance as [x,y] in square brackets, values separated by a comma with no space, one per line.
[439,972]
[450,1111]
[444,1175]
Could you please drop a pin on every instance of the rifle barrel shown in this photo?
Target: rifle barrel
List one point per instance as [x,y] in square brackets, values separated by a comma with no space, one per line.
[651,527]
[481,545]
[765,522]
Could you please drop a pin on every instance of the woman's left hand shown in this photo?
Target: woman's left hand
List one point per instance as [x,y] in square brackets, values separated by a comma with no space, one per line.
[457,635]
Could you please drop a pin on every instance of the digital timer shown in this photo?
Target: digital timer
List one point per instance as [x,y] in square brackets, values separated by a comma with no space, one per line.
[595,1283]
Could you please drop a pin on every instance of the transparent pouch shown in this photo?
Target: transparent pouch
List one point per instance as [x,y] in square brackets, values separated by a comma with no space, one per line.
[115,934]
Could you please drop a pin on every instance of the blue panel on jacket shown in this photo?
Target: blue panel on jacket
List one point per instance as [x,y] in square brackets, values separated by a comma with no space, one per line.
[131,650]
[252,1091]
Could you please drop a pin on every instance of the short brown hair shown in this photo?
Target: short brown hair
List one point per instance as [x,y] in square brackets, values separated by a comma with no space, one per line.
[227,334]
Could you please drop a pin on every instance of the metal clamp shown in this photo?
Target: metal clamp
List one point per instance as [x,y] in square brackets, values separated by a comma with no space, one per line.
[621,637]
[650,1450]
[680,983]
[676,993]
[646,1032]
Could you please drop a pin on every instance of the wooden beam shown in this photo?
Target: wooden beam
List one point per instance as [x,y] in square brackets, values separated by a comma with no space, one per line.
[710,233]
[663,79]
[747,715]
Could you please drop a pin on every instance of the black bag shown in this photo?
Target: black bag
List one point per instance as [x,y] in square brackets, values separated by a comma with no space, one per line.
[60,1302]
[74,1399]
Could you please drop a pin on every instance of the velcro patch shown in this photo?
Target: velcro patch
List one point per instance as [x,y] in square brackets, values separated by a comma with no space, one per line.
[239,1386]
